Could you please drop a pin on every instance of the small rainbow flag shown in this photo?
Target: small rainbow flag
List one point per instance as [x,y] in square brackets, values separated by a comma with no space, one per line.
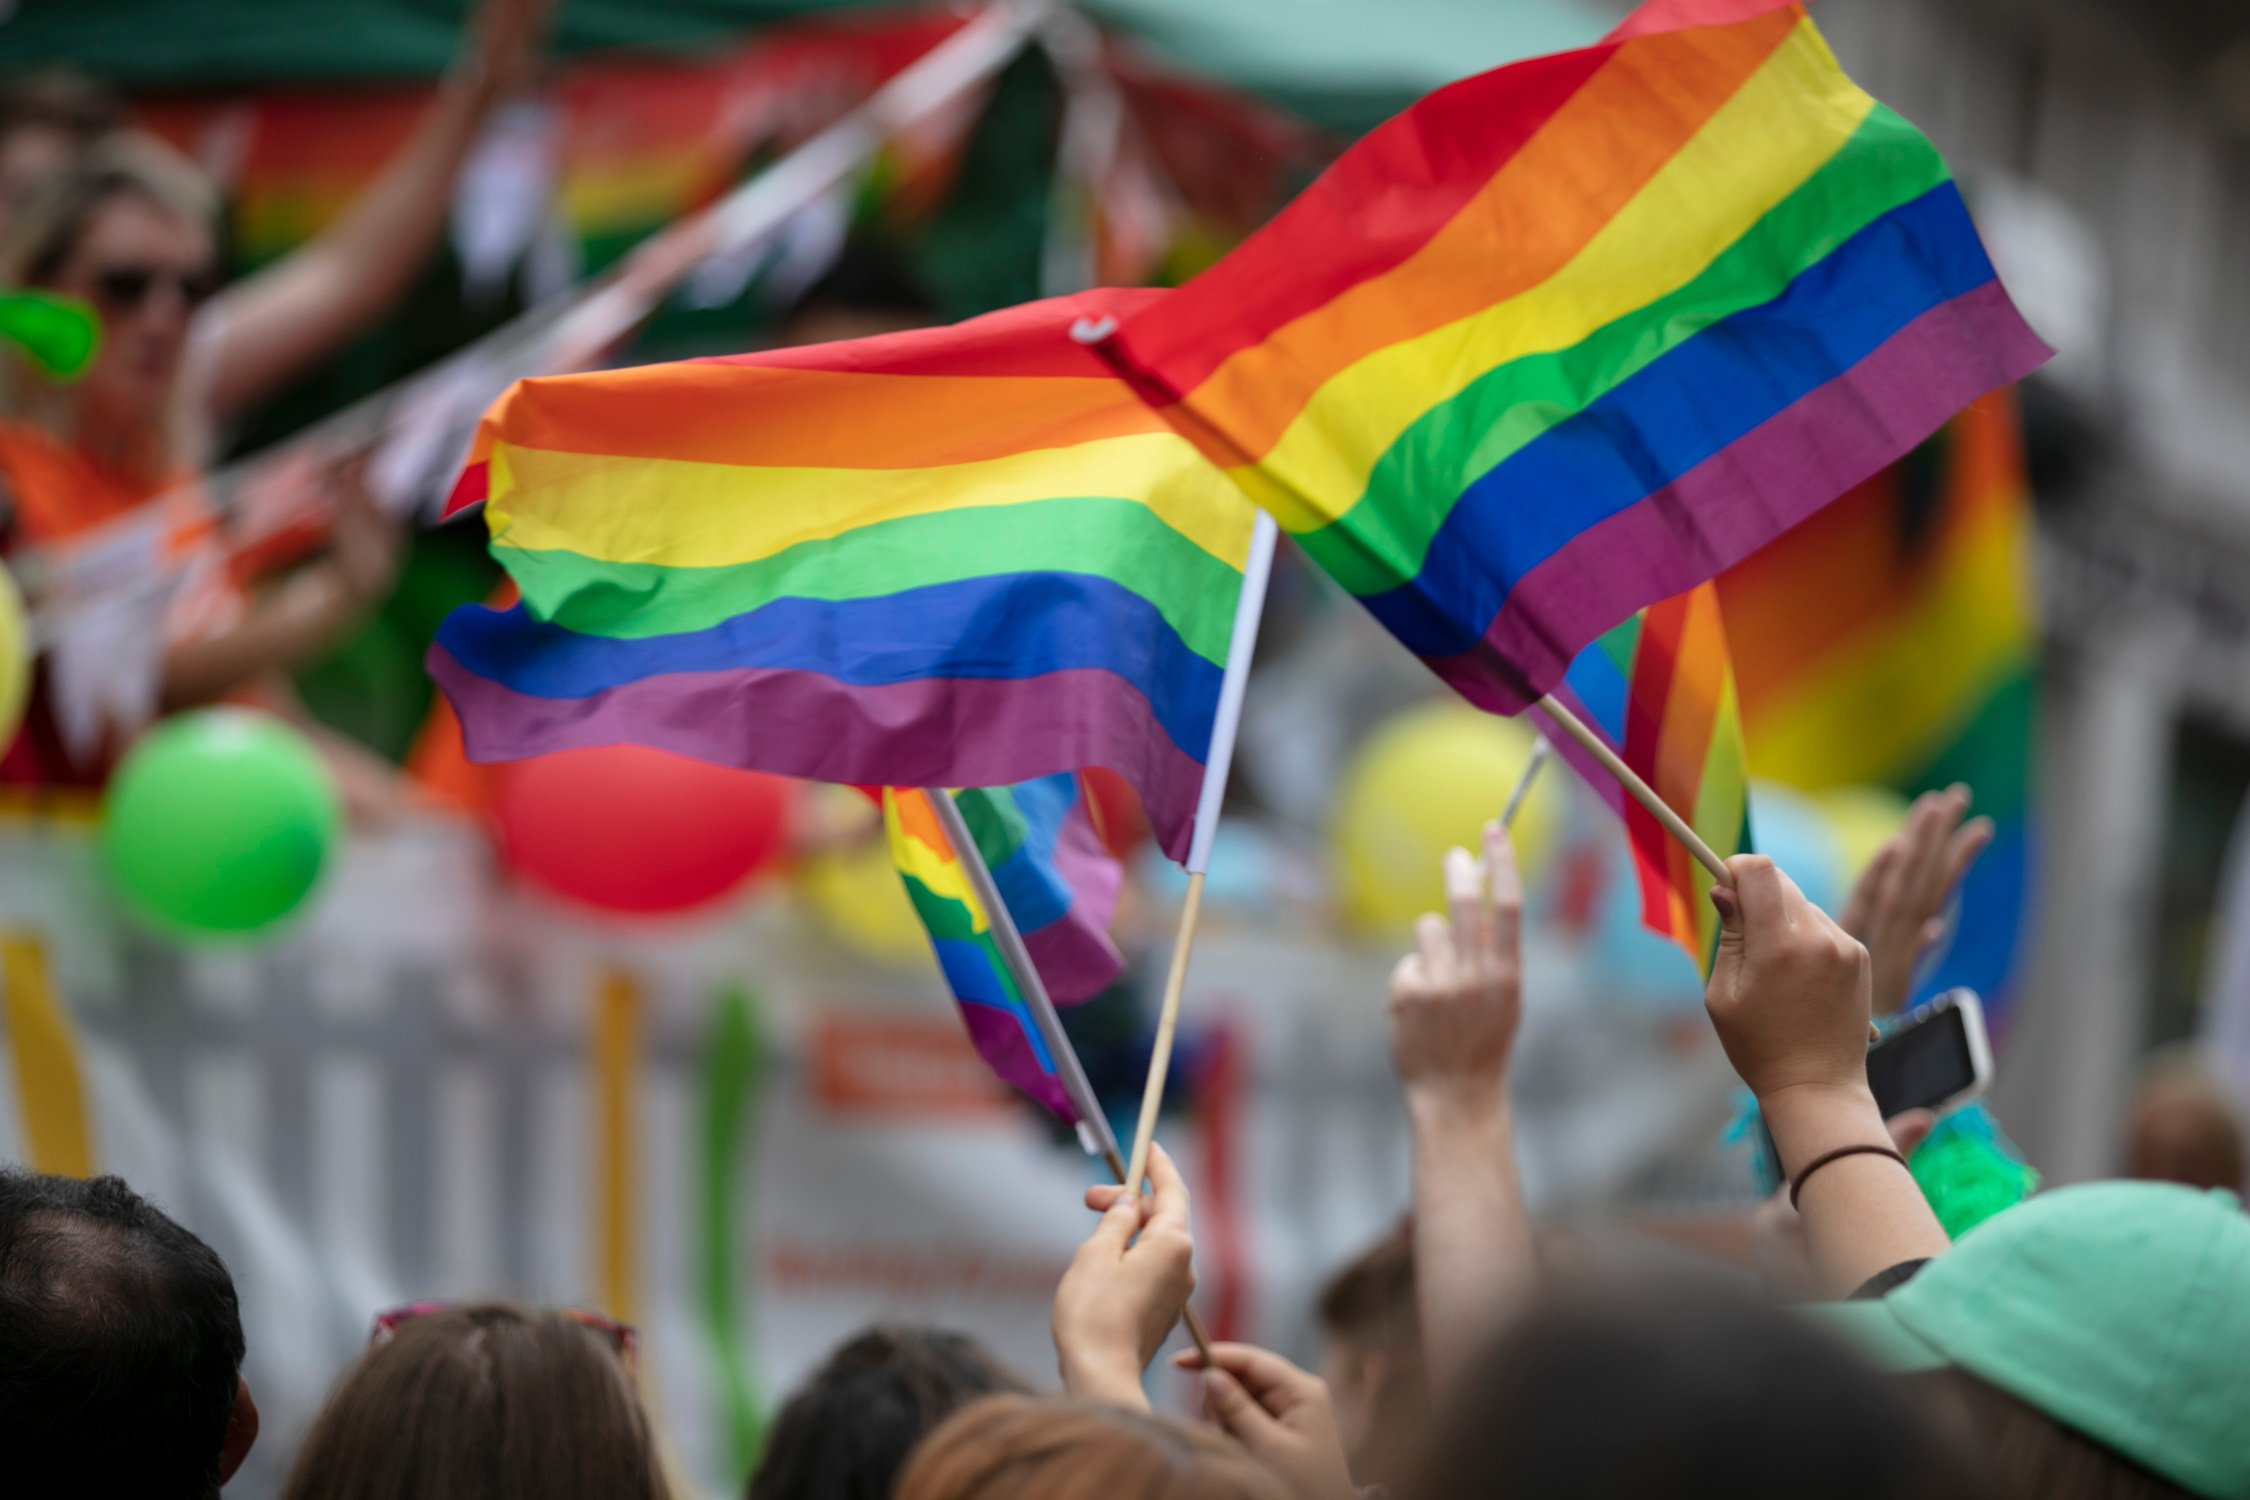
[1569,337]
[993,1006]
[961,556]
[1660,689]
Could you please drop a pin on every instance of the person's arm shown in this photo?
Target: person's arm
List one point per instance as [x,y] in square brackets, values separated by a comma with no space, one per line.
[1894,907]
[1454,1006]
[1126,1287]
[1280,1414]
[1788,997]
[271,325]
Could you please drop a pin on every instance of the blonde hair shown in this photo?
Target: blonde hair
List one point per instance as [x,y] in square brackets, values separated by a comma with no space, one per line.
[1029,1448]
[40,238]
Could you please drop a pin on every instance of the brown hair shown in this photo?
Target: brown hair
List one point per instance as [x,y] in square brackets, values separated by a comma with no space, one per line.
[1371,1300]
[59,98]
[1029,1448]
[2028,1454]
[487,1402]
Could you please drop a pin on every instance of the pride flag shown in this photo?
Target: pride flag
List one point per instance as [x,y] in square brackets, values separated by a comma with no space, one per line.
[1570,337]
[1893,639]
[961,556]
[1020,832]
[1660,689]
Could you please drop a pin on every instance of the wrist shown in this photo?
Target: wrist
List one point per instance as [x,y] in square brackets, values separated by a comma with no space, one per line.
[1098,1378]
[1451,1105]
[1809,1119]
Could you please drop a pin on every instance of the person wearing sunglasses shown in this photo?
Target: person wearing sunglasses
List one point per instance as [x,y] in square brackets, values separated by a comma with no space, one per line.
[486,1401]
[128,227]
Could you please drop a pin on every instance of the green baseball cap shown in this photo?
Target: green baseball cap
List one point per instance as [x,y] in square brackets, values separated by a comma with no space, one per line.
[2120,1309]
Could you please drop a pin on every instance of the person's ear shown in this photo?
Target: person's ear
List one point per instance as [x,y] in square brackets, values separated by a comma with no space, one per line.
[242,1431]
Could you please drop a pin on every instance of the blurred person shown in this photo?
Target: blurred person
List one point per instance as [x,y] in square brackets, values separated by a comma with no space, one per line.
[120,1347]
[1896,907]
[128,226]
[847,1430]
[1371,1358]
[1621,1391]
[484,1402]
[2184,1126]
[1025,1448]
[47,117]
[2094,1342]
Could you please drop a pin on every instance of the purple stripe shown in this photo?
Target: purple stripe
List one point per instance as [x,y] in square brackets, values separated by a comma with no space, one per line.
[1739,499]
[999,1040]
[1574,754]
[929,732]
[1074,954]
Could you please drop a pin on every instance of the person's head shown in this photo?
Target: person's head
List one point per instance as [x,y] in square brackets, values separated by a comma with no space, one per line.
[847,1431]
[1371,1357]
[1612,1391]
[1028,1448]
[46,119]
[483,1402]
[2185,1127]
[2099,1334]
[120,1346]
[126,228]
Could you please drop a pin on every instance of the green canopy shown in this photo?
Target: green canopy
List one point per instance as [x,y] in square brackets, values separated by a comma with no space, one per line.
[1344,63]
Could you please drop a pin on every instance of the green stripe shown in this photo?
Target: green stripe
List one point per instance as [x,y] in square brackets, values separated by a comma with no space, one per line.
[1621,643]
[732,1068]
[994,821]
[1382,540]
[1120,540]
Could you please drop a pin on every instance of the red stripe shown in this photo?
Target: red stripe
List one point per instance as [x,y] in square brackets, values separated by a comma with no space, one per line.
[471,488]
[1679,15]
[1650,691]
[989,345]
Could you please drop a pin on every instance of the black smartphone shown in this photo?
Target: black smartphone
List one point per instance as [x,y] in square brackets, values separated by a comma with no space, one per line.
[1938,1057]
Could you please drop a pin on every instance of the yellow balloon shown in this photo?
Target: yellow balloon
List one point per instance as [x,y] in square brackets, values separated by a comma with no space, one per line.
[1861,818]
[15,659]
[1426,780]
[855,891]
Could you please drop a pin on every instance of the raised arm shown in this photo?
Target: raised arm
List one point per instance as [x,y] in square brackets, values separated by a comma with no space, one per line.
[1789,999]
[1455,1003]
[1894,908]
[274,324]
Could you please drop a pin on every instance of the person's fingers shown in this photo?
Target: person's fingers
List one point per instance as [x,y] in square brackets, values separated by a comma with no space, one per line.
[1929,826]
[1119,1223]
[1761,894]
[1860,906]
[1961,851]
[1505,878]
[1171,1198]
[1236,1410]
[1910,1129]
[1433,945]
[1274,1382]
[1464,901]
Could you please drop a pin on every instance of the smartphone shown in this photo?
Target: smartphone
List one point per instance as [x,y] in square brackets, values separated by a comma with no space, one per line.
[1937,1058]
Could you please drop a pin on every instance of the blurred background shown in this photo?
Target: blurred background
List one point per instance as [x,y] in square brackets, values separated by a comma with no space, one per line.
[620,1033]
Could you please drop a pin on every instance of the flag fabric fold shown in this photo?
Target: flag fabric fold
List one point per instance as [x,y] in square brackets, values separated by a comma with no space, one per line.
[963,556]
[1568,338]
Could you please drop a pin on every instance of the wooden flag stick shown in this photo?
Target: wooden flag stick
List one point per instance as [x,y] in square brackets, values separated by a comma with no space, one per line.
[1641,792]
[1167,1026]
[1093,1124]
[1540,750]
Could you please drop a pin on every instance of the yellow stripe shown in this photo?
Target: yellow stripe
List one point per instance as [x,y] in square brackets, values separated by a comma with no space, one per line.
[50,1085]
[614,1059]
[940,876]
[1904,687]
[684,514]
[1793,114]
[1720,801]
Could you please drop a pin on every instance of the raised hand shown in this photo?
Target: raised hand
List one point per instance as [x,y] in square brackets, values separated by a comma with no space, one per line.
[1126,1287]
[1280,1413]
[1457,998]
[1789,992]
[1894,908]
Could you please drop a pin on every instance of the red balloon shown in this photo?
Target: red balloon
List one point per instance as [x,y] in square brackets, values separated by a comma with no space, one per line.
[623,828]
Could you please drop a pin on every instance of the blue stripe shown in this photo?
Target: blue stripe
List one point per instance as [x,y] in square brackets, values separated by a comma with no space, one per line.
[1601,690]
[1013,626]
[1037,895]
[1678,412]
[971,975]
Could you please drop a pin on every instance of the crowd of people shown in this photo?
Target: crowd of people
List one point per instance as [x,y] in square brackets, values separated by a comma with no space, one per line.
[2088,1344]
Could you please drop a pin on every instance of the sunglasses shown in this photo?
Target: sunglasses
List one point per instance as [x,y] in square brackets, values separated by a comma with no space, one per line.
[125,288]
[622,1337]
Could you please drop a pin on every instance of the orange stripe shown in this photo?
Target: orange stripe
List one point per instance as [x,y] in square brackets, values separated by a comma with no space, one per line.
[918,821]
[1535,215]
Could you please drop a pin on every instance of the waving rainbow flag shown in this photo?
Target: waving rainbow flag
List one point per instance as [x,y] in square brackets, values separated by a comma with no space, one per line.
[963,556]
[1018,831]
[1569,337]
[1660,689]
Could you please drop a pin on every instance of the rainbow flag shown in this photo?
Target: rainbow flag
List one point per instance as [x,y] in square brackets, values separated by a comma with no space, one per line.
[994,1008]
[1893,639]
[1059,880]
[1569,337]
[1660,689]
[961,556]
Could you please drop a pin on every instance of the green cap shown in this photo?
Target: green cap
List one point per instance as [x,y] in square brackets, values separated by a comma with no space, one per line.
[2120,1309]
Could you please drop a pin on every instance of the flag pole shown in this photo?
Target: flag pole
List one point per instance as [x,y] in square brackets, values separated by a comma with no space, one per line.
[1093,1125]
[1540,750]
[1257,568]
[1641,792]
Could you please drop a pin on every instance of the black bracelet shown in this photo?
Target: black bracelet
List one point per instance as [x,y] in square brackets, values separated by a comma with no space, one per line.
[1797,1183]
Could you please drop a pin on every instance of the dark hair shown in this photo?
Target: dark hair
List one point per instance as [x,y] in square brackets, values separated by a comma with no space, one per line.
[1032,1448]
[847,1431]
[1683,1391]
[120,1343]
[2029,1454]
[485,1402]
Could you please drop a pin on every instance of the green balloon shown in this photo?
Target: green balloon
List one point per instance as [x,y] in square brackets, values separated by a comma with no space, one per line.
[219,823]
